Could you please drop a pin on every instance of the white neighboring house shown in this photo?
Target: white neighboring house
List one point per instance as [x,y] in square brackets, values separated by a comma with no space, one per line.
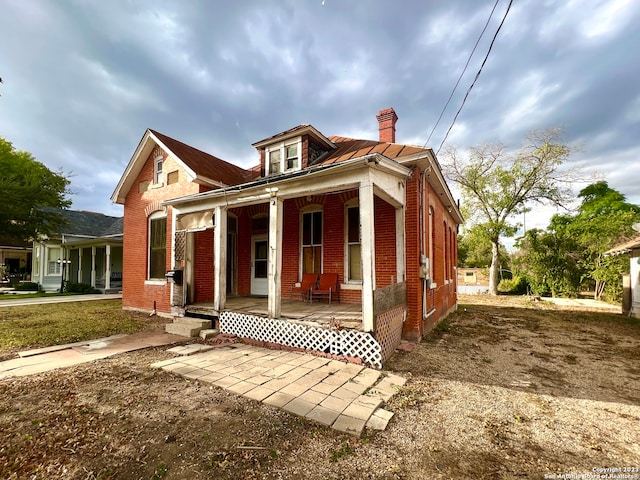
[630,303]
[88,249]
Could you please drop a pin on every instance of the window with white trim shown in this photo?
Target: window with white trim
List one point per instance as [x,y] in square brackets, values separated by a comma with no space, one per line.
[311,244]
[353,260]
[53,257]
[157,170]
[283,157]
[157,246]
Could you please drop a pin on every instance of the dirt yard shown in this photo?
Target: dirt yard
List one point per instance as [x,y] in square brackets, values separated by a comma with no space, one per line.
[504,390]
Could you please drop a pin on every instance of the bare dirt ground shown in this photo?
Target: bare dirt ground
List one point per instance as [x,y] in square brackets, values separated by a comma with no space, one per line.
[507,389]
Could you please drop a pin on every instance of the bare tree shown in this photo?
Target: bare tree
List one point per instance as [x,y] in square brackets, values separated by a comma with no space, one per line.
[497,184]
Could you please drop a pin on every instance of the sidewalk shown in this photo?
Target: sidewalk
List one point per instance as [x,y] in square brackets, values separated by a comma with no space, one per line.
[44,360]
[13,302]
[344,396]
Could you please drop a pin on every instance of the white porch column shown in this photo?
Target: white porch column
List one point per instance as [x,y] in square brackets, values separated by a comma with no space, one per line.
[93,267]
[107,267]
[220,258]
[368,253]
[275,257]
[401,261]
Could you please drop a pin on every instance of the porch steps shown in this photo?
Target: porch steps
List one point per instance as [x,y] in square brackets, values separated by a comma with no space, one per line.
[187,326]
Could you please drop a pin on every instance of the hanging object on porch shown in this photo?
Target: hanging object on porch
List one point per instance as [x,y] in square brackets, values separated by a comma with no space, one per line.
[351,343]
[195,222]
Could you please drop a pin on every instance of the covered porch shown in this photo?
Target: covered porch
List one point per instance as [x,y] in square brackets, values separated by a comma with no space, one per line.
[242,250]
[334,315]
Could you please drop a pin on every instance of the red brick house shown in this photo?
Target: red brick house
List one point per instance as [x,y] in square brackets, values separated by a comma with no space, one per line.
[376,213]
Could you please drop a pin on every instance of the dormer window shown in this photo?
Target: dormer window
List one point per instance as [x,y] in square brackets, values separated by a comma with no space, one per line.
[292,156]
[284,157]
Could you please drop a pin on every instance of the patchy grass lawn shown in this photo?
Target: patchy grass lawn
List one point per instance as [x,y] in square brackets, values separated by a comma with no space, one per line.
[503,390]
[28,326]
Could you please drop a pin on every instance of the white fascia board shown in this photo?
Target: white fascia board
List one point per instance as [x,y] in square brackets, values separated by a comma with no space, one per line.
[336,177]
[438,181]
[132,170]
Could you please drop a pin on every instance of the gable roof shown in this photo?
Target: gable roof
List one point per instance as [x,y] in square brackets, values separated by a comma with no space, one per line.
[90,224]
[200,166]
[204,165]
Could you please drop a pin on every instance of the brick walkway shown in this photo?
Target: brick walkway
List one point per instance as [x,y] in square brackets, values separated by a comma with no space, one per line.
[345,396]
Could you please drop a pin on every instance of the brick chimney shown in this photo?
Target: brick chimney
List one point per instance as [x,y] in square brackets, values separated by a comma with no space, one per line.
[387,119]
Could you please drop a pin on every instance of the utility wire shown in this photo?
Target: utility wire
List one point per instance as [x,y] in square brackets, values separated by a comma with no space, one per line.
[461,75]
[476,78]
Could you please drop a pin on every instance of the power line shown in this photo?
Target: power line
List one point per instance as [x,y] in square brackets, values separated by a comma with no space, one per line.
[461,74]
[476,78]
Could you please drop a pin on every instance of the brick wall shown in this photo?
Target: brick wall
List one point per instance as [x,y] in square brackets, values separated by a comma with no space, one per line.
[136,294]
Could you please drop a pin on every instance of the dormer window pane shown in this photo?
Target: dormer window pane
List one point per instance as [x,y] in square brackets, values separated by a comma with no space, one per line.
[292,156]
[274,161]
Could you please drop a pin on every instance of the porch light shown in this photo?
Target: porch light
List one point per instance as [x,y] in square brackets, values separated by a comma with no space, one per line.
[62,262]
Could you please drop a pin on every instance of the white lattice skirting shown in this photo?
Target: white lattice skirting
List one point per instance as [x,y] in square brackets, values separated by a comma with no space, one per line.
[352,343]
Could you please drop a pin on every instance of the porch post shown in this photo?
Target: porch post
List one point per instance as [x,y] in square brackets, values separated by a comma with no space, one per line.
[220,258]
[400,246]
[80,279]
[368,252]
[93,267]
[275,257]
[107,268]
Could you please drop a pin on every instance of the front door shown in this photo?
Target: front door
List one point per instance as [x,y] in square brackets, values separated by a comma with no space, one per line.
[259,265]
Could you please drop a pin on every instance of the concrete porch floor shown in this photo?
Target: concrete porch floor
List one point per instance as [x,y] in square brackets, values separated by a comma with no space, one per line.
[344,396]
[348,315]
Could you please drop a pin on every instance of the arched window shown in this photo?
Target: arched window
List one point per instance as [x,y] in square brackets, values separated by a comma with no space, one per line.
[157,244]
[432,242]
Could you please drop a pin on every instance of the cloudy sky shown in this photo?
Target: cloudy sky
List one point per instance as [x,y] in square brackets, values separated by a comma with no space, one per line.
[82,80]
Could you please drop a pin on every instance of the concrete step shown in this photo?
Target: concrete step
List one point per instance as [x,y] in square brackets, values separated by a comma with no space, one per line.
[182,329]
[193,322]
[187,327]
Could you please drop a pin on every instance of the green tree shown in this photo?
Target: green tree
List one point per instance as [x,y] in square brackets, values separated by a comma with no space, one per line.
[549,260]
[31,194]
[497,185]
[569,255]
[474,249]
[604,219]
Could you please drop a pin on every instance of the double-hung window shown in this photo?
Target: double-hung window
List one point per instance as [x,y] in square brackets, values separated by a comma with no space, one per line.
[312,242]
[284,157]
[157,170]
[157,246]
[353,248]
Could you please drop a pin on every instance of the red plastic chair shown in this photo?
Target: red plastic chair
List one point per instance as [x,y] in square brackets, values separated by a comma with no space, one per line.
[309,281]
[328,287]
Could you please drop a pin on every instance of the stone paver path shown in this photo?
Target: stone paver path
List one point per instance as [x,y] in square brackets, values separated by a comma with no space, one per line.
[345,396]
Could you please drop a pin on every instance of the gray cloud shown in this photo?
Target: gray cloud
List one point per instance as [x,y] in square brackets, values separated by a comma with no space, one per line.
[83,80]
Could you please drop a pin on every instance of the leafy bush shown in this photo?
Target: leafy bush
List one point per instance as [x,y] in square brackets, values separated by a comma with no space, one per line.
[513,286]
[82,288]
[27,286]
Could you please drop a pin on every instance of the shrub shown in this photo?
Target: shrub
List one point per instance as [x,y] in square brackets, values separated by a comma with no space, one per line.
[27,286]
[82,288]
[513,286]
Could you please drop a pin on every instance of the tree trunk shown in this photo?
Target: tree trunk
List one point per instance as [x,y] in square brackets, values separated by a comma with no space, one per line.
[494,273]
